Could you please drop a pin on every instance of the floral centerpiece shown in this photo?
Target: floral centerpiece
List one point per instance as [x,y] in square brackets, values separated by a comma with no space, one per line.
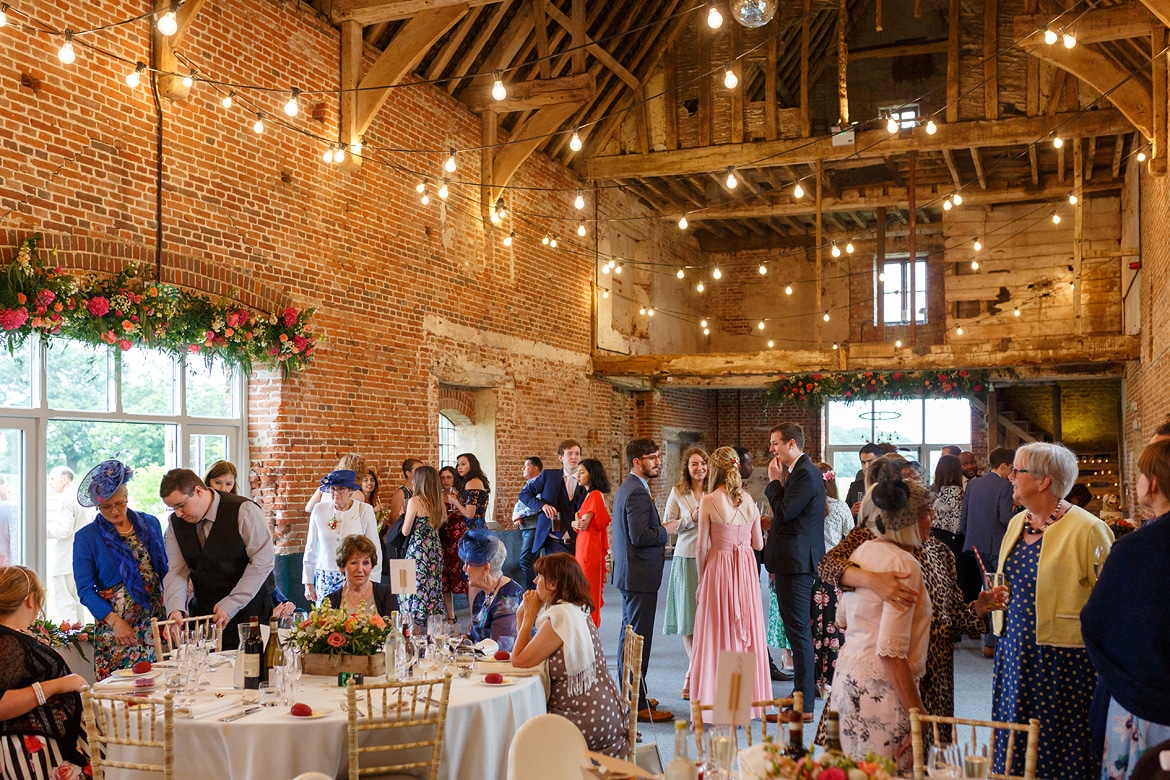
[60,635]
[336,640]
[826,766]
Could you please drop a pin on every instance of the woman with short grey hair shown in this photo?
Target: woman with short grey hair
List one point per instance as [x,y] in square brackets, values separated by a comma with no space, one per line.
[497,597]
[1042,669]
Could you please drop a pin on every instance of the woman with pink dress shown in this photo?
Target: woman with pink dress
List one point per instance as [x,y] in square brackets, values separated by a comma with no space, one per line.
[730,614]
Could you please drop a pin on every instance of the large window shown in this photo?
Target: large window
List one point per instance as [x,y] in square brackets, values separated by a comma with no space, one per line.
[894,282]
[446,441]
[66,406]
[918,428]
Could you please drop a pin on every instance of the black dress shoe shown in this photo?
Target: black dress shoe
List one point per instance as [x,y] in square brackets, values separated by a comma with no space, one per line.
[779,675]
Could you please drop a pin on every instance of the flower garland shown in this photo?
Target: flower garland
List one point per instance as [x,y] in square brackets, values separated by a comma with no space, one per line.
[813,390]
[128,309]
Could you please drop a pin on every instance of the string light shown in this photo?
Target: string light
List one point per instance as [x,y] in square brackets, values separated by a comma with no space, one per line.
[826,317]
[959,331]
[702,323]
[898,344]
[798,191]
[706,331]
[835,345]
[835,251]
[579,203]
[1049,36]
[732,182]
[788,289]
[355,148]
[134,77]
[730,80]
[947,205]
[771,343]
[974,265]
[714,18]
[958,199]
[605,269]
[328,154]
[494,216]
[931,127]
[581,229]
[552,242]
[617,268]
[1017,311]
[227,100]
[760,325]
[498,91]
[1070,40]
[425,199]
[682,222]
[1057,142]
[1072,199]
[422,187]
[763,270]
[1055,219]
[575,141]
[188,81]
[259,125]
[1141,156]
[501,208]
[605,293]
[892,125]
[444,191]
[849,248]
[680,274]
[508,239]
[449,166]
[339,154]
[700,287]
[545,239]
[978,245]
[642,311]
[716,274]
[66,53]
[650,312]
[293,106]
[167,24]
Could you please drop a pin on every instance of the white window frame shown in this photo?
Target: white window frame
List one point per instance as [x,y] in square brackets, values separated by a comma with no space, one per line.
[447,446]
[906,114]
[883,279]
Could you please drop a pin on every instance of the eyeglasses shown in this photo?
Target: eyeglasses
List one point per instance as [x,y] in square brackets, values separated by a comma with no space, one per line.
[1016,471]
[115,506]
[182,503]
[655,456]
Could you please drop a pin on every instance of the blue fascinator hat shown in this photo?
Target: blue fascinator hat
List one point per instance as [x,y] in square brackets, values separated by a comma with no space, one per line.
[478,547]
[342,478]
[102,482]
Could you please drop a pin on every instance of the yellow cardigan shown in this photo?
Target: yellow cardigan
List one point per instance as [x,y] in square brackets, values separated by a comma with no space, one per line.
[1064,576]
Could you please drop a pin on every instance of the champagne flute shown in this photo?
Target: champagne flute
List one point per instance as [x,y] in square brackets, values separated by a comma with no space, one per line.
[1099,555]
[723,749]
[456,637]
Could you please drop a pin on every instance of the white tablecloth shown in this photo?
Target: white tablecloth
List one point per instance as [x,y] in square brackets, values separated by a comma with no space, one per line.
[272,745]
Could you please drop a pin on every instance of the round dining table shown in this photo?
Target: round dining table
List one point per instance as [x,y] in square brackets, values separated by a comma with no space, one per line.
[272,744]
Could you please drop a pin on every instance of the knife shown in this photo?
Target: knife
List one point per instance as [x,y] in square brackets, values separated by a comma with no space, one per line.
[239,715]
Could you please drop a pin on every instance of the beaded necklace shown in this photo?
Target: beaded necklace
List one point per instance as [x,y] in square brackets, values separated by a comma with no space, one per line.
[1030,521]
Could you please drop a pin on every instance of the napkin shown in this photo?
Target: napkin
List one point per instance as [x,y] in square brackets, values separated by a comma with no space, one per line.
[116,684]
[753,762]
[201,709]
[215,659]
[616,766]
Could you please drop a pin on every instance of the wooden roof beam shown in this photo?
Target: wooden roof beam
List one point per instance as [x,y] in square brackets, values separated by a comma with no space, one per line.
[978,168]
[528,95]
[171,86]
[870,144]
[950,160]
[525,139]
[366,12]
[1160,9]
[1096,25]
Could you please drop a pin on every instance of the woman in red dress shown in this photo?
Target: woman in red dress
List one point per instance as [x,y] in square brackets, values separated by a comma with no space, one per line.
[592,527]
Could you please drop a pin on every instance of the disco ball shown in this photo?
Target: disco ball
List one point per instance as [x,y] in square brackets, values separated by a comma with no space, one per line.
[753,13]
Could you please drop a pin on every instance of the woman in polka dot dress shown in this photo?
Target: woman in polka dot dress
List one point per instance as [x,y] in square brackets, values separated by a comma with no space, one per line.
[1042,669]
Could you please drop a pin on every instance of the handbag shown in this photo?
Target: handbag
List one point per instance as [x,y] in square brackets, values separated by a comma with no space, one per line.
[393,541]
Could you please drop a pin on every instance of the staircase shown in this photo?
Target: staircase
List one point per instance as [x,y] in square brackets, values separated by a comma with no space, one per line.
[1011,430]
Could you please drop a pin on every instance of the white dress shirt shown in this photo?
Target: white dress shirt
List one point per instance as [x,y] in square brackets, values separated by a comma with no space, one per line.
[321,541]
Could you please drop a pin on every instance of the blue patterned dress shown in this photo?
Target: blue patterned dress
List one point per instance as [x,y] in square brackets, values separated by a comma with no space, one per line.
[1052,684]
[424,547]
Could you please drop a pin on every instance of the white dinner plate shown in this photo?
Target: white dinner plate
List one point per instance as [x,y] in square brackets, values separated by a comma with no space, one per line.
[130,673]
[507,681]
[316,714]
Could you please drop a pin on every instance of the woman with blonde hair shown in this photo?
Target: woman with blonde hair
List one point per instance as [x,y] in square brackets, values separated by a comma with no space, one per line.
[41,735]
[729,615]
[683,507]
[426,514]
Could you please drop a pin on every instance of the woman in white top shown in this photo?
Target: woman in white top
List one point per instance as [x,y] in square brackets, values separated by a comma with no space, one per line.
[683,507]
[330,522]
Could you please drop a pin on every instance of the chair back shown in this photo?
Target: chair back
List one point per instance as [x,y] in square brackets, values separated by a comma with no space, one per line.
[631,682]
[796,702]
[548,747]
[389,707]
[163,633]
[120,720]
[1000,732]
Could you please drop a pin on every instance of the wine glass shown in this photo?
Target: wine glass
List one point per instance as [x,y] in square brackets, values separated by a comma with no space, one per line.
[455,638]
[292,670]
[723,749]
[944,761]
[975,762]
[428,660]
[1099,555]
[438,629]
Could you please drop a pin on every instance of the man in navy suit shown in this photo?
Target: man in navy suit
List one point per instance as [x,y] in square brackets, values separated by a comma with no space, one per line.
[796,544]
[639,553]
[987,508]
[555,497]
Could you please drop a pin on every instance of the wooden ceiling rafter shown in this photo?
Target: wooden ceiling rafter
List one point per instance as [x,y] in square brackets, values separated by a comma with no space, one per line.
[368,12]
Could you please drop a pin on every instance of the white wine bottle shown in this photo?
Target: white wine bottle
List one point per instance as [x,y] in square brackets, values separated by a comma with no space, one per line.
[680,767]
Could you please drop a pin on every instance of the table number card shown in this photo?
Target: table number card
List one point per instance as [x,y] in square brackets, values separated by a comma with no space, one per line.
[403,577]
[735,684]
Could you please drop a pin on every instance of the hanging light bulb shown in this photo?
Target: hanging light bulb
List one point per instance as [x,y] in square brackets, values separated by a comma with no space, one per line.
[498,91]
[714,18]
[425,199]
[167,24]
[227,101]
[947,205]
[188,81]
[788,289]
[581,229]
[959,331]
[716,274]
[1069,39]
[1017,311]
[882,278]
[699,287]
[545,239]
[293,106]
[605,269]
[3,14]
[575,141]
[339,154]
[579,202]
[494,215]
[702,323]
[1049,36]
[835,251]
[680,274]
[682,222]
[958,199]
[552,242]
[501,208]
[508,239]
[706,331]
[66,53]
[328,157]
[650,312]
[259,125]
[978,245]
[763,270]
[798,191]
[849,248]
[642,311]
[444,191]
[1058,142]
[1072,199]
[898,344]
[449,166]
[605,293]
[1055,219]
[974,265]
[134,77]
[892,125]
[617,269]
[355,148]
[826,317]
[835,345]
[931,127]
[612,263]
[730,80]
[421,187]
[760,325]
[1141,156]
[732,182]
[771,343]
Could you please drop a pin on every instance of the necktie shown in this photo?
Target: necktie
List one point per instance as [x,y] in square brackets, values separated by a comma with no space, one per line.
[201,529]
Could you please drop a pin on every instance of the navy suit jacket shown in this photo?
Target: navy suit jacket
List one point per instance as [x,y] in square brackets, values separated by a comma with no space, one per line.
[548,487]
[639,540]
[796,542]
[987,508]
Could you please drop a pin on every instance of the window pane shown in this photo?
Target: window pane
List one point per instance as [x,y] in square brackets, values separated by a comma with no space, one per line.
[16,376]
[148,382]
[12,501]
[846,424]
[898,422]
[846,463]
[77,376]
[948,421]
[892,293]
[446,441]
[920,290]
[205,450]
[211,391]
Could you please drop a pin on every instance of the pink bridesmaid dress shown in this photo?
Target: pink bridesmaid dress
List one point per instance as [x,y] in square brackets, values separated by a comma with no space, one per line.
[730,613]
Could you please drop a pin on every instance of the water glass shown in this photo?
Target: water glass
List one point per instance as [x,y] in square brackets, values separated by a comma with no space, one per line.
[944,761]
[975,762]
[465,660]
[269,694]
[997,584]
[429,659]
[278,678]
[292,671]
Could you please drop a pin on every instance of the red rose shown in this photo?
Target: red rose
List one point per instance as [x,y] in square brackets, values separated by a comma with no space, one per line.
[963,373]
[299,343]
[898,375]
[336,640]
[977,388]
[124,344]
[98,306]
[833,773]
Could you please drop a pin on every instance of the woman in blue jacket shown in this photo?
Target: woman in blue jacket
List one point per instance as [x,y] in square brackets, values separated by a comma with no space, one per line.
[118,563]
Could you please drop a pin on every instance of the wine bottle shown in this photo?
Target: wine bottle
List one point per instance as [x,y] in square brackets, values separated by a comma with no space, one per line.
[795,723]
[833,734]
[393,648]
[273,652]
[253,651]
[680,768]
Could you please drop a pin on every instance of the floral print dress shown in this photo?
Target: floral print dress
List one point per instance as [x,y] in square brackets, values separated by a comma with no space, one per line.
[108,655]
[424,548]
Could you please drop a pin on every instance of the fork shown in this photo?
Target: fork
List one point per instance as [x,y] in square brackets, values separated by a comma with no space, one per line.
[357,709]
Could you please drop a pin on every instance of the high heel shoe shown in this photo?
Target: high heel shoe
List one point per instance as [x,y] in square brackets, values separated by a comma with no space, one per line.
[686,691]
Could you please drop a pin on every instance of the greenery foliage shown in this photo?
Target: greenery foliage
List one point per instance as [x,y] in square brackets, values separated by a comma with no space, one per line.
[813,390]
[129,309]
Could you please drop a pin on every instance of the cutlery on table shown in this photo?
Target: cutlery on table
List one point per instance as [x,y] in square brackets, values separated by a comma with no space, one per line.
[239,715]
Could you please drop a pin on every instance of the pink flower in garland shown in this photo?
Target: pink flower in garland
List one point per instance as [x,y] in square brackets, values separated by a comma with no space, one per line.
[98,306]
[45,297]
[299,343]
[832,773]
[124,344]
[290,317]
[11,319]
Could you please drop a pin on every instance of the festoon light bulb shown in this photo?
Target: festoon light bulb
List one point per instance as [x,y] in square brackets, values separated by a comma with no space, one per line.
[168,24]
[931,127]
[700,287]
[575,141]
[66,53]
[444,191]
[716,274]
[3,14]
[849,248]
[134,77]
[227,100]
[259,125]
[730,80]
[798,191]
[714,18]
[682,222]
[579,202]
[1058,142]
[732,182]
[680,274]
[449,166]
[1049,36]
[892,125]
[763,270]
[836,250]
[499,92]
[293,106]
[788,289]
[508,239]
[581,229]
